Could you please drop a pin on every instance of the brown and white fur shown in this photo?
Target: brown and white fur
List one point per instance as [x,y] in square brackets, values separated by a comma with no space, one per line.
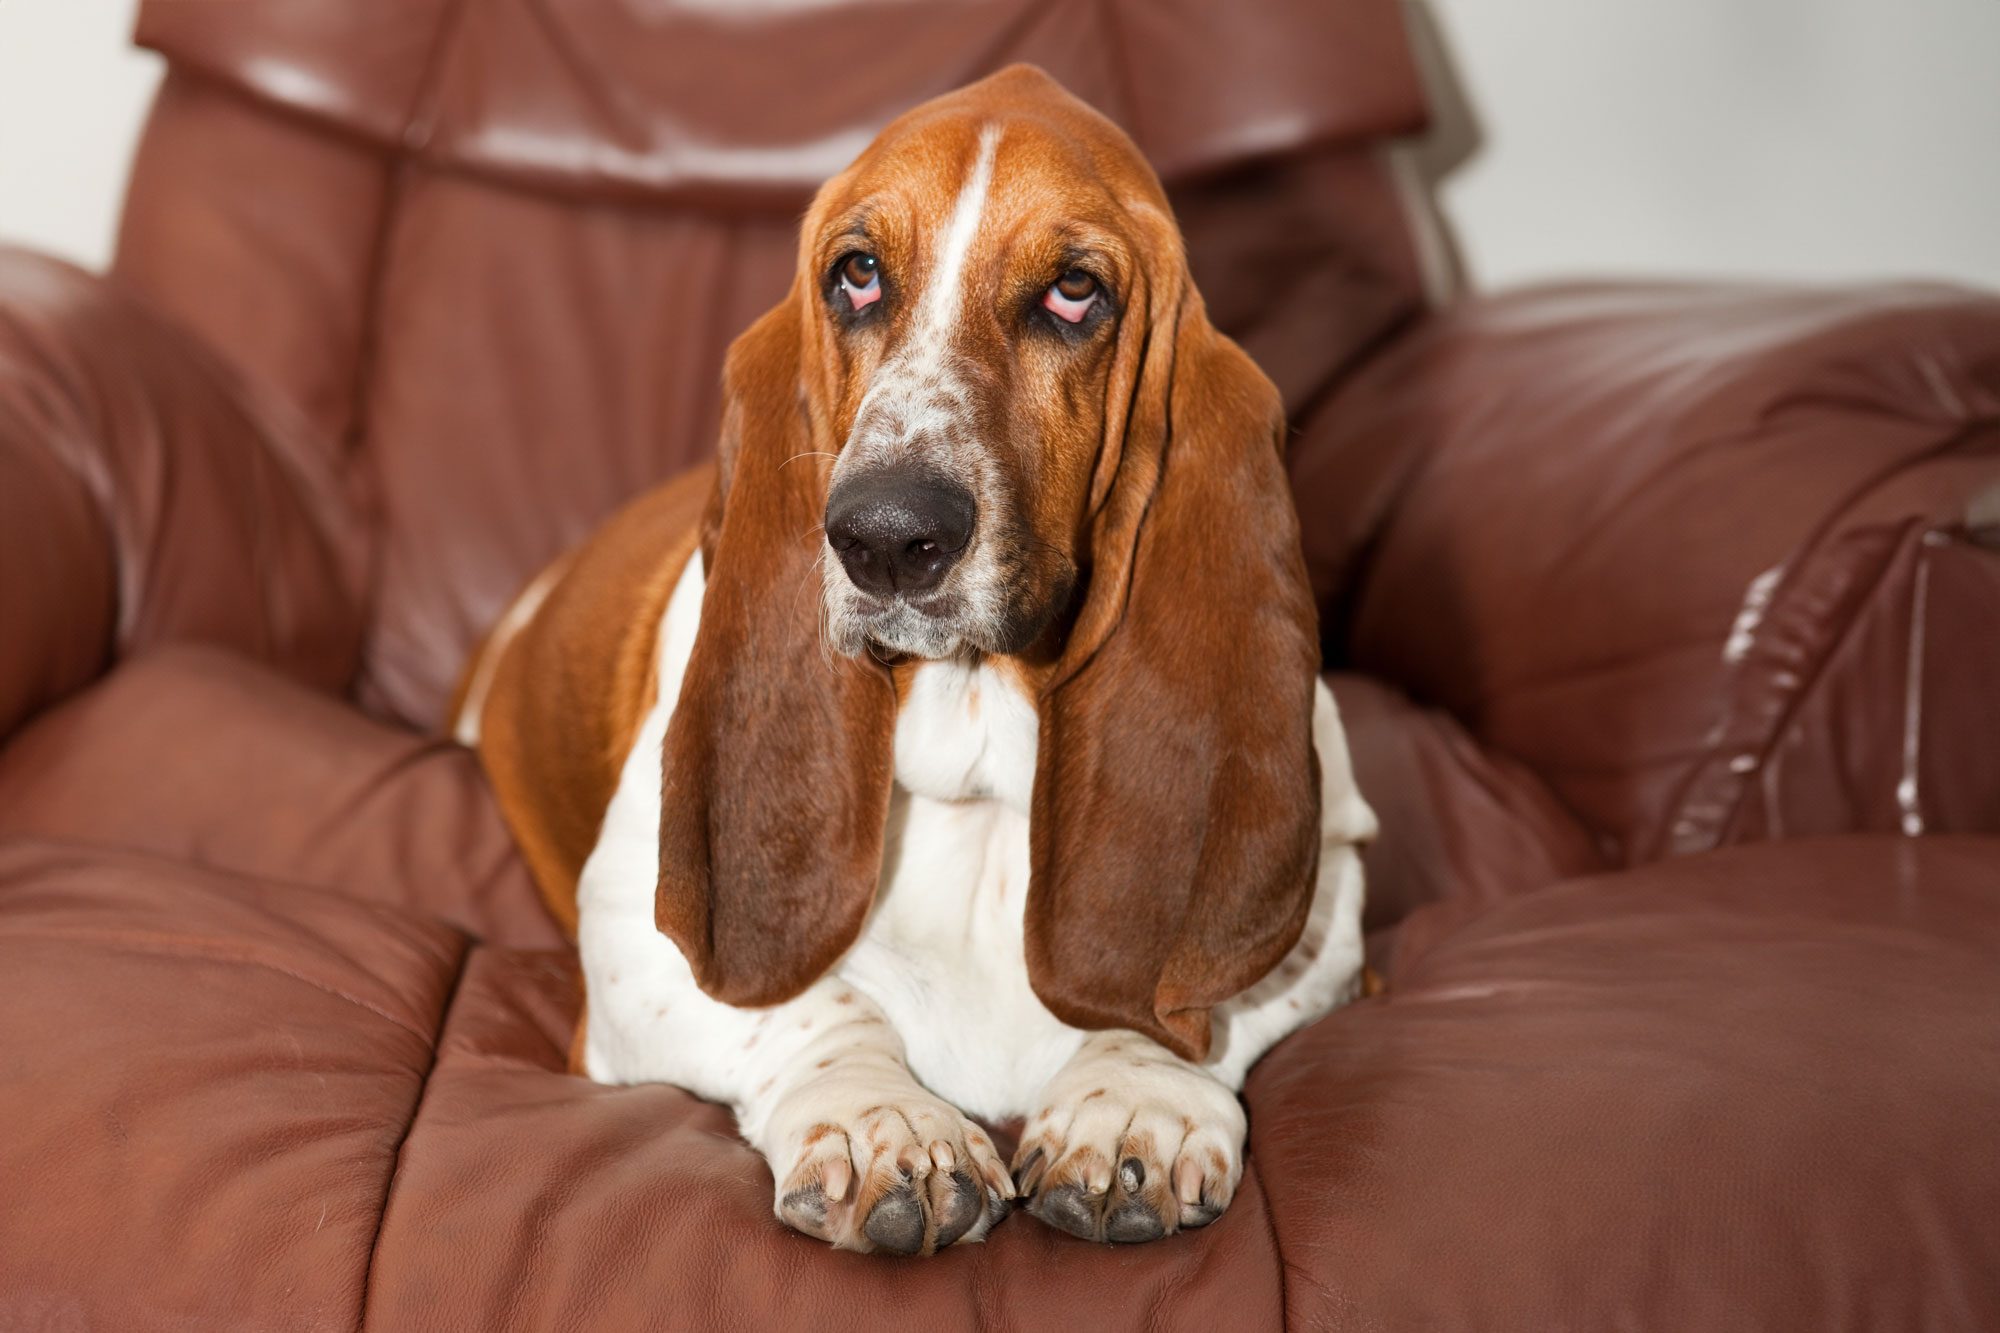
[1067,832]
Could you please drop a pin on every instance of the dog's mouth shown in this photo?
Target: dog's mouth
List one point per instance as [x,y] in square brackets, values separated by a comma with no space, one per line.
[929,624]
[989,607]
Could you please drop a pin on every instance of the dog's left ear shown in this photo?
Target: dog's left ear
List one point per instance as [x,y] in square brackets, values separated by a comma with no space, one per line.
[1175,822]
[776,768]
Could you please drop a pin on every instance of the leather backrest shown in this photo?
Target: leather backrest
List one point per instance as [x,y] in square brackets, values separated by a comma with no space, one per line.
[497,247]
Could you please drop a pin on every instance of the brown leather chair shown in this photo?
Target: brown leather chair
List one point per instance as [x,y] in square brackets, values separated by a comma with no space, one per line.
[1663,619]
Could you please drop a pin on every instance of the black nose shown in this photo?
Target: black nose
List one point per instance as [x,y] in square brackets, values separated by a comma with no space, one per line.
[895,532]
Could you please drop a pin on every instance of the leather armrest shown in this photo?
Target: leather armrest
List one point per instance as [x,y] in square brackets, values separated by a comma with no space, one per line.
[147,495]
[1708,559]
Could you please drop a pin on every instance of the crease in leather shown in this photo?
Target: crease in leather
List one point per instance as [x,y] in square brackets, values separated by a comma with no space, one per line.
[368,354]
[436,1043]
[1253,1163]
[1895,539]
[416,129]
[1867,586]
[215,951]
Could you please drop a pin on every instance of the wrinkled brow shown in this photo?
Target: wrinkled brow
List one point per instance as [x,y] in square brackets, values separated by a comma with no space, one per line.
[852,224]
[855,220]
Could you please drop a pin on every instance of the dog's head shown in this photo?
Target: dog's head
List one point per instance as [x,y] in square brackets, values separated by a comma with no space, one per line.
[992,417]
[986,278]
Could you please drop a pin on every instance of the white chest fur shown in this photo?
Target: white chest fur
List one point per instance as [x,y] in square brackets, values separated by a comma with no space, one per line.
[942,951]
[966,732]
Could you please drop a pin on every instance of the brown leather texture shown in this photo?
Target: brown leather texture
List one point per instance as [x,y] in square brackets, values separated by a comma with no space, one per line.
[1663,619]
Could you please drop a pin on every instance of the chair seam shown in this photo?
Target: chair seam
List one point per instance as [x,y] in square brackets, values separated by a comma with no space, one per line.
[416,1109]
[1277,1245]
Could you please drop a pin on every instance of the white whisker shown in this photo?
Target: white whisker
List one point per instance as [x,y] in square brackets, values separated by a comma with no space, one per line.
[810,453]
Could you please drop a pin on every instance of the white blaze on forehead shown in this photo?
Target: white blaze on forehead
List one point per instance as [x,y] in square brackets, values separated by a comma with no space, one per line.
[916,389]
[941,298]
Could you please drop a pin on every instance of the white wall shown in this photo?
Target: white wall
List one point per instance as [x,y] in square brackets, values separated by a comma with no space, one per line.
[1795,138]
[72,94]
[1786,138]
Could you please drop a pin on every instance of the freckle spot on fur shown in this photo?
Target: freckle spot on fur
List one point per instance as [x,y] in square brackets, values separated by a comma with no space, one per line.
[824,1063]
[750,1043]
[1293,1003]
[818,1132]
[845,997]
[660,1012]
[1094,1092]
[765,1086]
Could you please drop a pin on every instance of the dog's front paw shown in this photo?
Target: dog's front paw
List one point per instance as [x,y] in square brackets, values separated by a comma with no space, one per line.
[1131,1144]
[889,1168]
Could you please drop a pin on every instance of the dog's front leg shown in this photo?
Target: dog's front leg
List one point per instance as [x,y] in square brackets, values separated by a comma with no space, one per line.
[862,1155]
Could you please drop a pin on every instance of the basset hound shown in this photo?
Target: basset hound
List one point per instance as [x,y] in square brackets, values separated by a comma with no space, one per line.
[953,746]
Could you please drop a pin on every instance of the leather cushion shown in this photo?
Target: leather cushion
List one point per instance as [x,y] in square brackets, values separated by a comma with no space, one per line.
[205,1087]
[1772,1064]
[205,756]
[1747,1089]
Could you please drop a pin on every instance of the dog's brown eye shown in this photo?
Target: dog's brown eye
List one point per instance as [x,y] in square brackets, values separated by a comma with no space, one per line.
[860,270]
[1072,296]
[1076,285]
[861,279]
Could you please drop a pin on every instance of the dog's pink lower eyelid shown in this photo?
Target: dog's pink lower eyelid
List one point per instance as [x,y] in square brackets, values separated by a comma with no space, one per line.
[1064,308]
[863,296]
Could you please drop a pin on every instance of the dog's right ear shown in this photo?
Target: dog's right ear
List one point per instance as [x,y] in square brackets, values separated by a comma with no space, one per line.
[778,758]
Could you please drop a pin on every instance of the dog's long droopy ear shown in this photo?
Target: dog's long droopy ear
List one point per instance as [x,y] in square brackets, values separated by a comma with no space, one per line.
[777,761]
[1175,822]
